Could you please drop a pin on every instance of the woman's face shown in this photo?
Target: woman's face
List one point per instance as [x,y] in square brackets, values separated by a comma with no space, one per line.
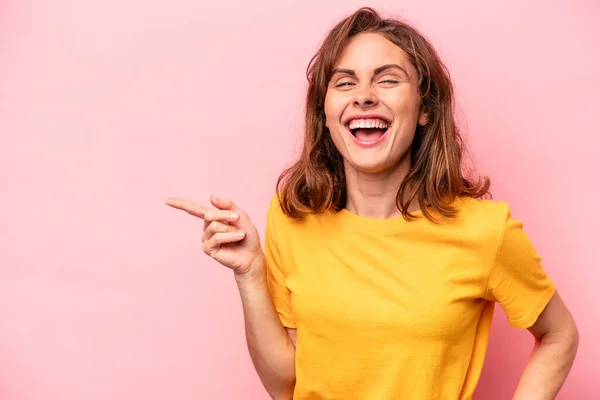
[372,104]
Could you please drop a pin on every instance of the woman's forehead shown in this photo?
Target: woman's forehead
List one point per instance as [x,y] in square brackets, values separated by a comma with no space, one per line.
[368,51]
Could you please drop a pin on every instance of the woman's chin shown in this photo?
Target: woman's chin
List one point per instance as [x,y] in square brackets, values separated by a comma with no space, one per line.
[376,162]
[369,165]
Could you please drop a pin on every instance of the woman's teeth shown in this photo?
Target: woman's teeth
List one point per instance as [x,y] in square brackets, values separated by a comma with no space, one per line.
[367,123]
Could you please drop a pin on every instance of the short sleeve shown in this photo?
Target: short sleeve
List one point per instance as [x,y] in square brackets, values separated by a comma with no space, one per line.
[276,279]
[518,281]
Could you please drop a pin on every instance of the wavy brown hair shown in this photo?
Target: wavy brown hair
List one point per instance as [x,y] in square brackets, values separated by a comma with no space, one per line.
[316,182]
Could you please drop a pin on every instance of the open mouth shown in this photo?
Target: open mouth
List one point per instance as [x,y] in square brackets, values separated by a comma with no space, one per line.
[368,130]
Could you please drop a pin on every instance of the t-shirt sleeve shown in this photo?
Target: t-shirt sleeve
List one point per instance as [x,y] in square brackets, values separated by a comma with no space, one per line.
[518,281]
[276,278]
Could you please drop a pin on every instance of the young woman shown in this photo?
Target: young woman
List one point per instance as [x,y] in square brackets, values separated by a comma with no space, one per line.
[382,260]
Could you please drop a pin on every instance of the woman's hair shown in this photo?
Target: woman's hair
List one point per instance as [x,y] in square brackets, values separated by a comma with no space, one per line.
[316,182]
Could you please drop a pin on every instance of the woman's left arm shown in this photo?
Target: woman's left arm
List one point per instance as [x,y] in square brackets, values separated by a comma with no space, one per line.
[556,341]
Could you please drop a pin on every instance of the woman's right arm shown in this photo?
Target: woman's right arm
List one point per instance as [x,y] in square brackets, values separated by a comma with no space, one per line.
[271,346]
[231,239]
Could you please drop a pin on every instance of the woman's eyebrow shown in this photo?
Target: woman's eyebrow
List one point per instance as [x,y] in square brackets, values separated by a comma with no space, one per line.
[379,70]
[376,71]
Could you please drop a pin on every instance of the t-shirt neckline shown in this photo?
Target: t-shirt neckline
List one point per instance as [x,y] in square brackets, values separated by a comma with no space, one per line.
[383,225]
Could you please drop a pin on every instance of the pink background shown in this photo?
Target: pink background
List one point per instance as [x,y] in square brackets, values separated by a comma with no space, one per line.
[108,107]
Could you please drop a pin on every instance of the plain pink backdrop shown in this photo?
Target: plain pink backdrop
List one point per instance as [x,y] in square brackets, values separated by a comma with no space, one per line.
[107,108]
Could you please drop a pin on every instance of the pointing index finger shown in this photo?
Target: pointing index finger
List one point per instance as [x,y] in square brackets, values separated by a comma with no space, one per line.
[192,208]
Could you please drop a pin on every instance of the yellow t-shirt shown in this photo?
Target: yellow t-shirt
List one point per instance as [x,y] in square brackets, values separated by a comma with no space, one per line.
[392,309]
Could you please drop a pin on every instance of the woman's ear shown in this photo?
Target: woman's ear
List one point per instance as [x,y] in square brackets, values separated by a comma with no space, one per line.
[423,117]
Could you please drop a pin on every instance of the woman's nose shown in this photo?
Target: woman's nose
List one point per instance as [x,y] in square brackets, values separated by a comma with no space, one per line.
[365,96]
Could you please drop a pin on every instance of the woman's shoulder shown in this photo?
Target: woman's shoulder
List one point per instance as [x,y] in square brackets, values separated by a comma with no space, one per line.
[276,214]
[481,215]
[274,211]
[481,208]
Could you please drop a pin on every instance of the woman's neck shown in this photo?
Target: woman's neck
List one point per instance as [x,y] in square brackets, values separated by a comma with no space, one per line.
[374,195]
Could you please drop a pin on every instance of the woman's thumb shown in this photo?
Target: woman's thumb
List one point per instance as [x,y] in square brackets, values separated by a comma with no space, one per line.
[223,203]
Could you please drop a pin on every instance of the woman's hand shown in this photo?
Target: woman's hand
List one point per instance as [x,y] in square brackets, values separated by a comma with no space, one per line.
[229,235]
